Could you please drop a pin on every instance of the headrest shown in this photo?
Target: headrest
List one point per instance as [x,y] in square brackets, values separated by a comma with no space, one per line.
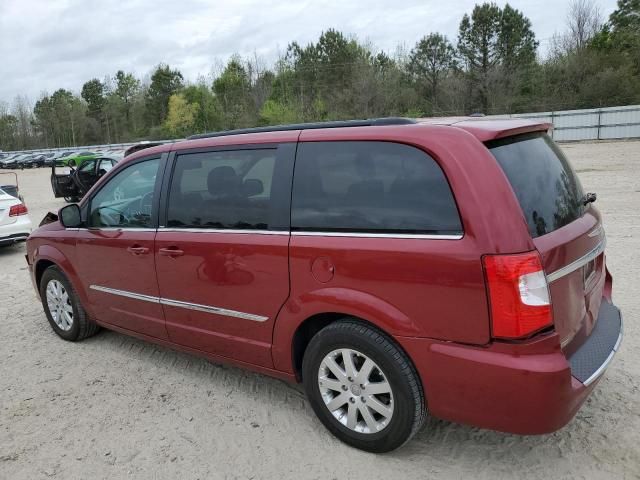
[223,181]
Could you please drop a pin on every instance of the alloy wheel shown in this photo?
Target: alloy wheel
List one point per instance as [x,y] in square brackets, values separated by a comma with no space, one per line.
[59,305]
[356,391]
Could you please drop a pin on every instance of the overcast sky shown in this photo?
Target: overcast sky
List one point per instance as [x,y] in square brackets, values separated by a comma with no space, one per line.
[50,44]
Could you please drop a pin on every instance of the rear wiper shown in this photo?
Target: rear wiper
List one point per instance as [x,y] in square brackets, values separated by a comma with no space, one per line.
[588,198]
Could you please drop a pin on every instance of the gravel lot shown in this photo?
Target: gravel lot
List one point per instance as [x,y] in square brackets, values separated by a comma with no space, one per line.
[116,407]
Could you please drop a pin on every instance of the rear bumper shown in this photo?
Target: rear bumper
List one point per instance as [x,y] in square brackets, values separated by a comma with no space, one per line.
[15,232]
[524,389]
[591,360]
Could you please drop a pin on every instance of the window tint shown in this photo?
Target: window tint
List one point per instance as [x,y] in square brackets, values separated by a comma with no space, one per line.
[228,189]
[376,187]
[126,200]
[547,189]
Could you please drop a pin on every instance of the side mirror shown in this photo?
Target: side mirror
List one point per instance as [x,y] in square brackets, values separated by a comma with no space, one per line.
[70,216]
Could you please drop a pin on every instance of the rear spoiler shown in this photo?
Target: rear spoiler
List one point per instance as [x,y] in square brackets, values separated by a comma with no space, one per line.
[486,129]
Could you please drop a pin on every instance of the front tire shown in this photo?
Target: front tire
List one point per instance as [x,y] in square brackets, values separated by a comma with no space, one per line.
[62,307]
[363,387]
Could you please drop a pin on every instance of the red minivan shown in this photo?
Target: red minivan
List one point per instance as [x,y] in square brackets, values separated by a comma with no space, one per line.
[395,267]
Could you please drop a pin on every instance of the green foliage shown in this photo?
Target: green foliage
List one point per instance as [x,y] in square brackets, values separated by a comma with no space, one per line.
[164,83]
[276,113]
[492,68]
[181,117]
[93,94]
[232,89]
[496,45]
[431,60]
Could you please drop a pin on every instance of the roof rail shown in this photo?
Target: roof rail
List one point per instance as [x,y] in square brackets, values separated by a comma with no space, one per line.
[309,126]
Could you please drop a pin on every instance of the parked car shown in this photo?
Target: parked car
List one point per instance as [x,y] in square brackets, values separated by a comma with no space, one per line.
[15,161]
[76,159]
[73,185]
[451,263]
[33,161]
[15,224]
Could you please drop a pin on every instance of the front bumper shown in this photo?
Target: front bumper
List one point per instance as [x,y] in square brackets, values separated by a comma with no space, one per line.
[530,388]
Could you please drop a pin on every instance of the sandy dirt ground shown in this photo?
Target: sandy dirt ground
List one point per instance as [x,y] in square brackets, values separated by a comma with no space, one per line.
[116,407]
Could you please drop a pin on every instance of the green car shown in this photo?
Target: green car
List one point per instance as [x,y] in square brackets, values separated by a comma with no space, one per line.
[75,159]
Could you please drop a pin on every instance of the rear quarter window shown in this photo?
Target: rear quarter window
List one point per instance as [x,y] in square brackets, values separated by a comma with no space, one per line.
[371,187]
[547,188]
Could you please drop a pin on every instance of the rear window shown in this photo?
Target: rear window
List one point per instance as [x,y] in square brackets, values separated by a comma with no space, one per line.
[371,187]
[546,186]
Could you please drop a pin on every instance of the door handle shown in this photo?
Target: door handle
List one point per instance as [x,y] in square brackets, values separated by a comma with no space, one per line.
[137,250]
[171,252]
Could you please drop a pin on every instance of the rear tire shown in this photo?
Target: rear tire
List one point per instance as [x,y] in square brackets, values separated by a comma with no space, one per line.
[377,411]
[62,307]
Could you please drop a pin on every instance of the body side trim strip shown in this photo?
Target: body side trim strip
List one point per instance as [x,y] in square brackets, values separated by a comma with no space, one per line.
[123,293]
[222,230]
[376,235]
[576,264]
[179,304]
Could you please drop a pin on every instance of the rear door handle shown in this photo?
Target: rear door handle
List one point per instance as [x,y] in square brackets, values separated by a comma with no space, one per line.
[137,250]
[171,252]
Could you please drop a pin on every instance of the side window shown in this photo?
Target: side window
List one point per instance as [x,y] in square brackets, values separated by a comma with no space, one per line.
[224,190]
[371,187]
[105,165]
[126,200]
[88,166]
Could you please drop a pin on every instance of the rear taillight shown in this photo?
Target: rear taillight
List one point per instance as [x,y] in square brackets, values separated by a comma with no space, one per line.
[16,210]
[518,293]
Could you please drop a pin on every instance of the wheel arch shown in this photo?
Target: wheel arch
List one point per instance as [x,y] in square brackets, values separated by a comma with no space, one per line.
[312,325]
[47,256]
[304,315]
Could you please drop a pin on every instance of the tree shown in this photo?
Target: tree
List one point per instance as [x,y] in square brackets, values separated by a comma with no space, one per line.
[431,60]
[93,94]
[181,117]
[8,128]
[478,46]
[622,33]
[164,83]
[490,38]
[208,116]
[126,88]
[584,22]
[232,90]
[516,41]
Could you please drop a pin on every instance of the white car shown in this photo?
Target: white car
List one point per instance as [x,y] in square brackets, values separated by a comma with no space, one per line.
[15,224]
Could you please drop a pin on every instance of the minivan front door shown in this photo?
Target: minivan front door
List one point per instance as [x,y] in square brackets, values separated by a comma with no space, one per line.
[222,255]
[115,252]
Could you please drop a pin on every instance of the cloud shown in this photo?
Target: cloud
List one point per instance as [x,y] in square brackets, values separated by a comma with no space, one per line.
[46,45]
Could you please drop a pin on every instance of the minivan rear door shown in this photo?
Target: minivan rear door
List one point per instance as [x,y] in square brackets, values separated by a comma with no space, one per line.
[566,229]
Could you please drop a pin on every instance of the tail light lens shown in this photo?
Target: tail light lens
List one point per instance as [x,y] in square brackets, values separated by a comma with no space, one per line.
[518,293]
[16,210]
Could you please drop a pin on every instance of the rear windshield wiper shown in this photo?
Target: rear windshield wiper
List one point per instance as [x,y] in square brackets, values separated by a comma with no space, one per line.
[588,198]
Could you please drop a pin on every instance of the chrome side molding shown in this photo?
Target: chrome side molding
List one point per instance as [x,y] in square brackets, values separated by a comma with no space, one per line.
[297,233]
[180,304]
[580,262]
